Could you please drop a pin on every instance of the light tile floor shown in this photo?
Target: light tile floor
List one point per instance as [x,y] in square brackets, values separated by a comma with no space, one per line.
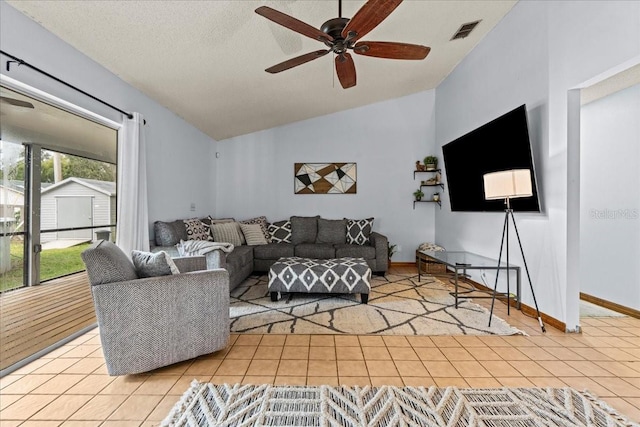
[70,386]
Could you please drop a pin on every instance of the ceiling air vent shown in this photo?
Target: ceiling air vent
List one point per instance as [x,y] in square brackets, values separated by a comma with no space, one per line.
[465,30]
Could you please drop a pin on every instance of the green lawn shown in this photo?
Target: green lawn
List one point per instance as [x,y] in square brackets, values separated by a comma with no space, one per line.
[53,263]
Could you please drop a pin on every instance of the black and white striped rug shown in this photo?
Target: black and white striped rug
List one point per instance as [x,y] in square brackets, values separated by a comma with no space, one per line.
[206,404]
[398,305]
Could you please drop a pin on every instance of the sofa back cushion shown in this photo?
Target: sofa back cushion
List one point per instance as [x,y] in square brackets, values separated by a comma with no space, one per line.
[169,233]
[304,229]
[359,230]
[106,263]
[332,231]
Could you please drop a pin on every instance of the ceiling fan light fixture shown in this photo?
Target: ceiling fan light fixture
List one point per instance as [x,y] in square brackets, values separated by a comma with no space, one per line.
[342,34]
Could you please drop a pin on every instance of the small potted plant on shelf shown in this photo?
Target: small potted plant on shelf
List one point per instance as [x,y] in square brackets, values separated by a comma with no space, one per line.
[431,162]
[418,194]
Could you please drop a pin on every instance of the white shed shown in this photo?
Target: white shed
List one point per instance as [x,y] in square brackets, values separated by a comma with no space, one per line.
[77,202]
[11,198]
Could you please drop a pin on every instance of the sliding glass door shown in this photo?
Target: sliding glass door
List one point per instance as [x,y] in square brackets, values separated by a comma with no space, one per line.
[58,189]
[12,216]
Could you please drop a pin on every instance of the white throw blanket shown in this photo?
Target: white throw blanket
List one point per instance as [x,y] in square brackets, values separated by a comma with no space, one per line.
[201,247]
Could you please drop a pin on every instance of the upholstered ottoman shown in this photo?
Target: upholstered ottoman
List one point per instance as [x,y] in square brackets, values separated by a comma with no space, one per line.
[337,276]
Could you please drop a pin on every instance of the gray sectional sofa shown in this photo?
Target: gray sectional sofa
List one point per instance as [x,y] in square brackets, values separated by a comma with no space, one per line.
[307,237]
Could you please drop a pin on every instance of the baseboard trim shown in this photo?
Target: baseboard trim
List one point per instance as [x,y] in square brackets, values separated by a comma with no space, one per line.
[402,264]
[528,310]
[632,312]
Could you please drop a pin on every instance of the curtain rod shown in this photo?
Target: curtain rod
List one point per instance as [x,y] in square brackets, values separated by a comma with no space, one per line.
[21,62]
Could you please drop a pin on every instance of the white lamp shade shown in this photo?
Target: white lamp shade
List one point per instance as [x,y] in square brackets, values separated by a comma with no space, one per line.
[507,184]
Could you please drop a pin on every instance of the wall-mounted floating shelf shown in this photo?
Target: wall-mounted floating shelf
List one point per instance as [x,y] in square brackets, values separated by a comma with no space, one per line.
[440,184]
[427,201]
[433,185]
[429,171]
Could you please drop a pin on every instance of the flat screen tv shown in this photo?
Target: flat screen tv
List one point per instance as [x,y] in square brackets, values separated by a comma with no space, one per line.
[501,144]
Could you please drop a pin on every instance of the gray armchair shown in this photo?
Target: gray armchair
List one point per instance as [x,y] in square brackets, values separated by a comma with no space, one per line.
[157,321]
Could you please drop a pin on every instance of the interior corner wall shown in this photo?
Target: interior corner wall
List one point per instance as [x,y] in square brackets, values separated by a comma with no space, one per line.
[255,171]
[610,200]
[180,164]
[535,54]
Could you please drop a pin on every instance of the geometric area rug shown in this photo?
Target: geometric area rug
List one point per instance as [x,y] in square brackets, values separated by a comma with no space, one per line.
[398,305]
[206,404]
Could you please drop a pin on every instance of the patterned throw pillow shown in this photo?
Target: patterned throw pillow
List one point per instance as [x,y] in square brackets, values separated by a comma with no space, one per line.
[280,231]
[253,234]
[358,231]
[262,221]
[226,232]
[149,264]
[196,229]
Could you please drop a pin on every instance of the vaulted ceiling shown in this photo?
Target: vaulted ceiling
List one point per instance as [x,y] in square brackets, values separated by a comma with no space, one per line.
[205,60]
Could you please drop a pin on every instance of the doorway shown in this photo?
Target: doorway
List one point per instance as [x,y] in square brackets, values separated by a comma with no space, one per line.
[609,196]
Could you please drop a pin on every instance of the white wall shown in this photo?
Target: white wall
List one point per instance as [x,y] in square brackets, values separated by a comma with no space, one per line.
[536,54]
[180,162]
[384,139]
[610,200]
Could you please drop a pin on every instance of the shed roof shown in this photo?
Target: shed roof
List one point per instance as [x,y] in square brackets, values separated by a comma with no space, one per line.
[104,187]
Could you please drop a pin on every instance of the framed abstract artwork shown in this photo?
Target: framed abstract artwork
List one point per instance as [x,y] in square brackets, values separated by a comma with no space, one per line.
[324,178]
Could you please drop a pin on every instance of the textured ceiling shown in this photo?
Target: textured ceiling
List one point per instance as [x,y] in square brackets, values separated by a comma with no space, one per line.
[55,129]
[205,60]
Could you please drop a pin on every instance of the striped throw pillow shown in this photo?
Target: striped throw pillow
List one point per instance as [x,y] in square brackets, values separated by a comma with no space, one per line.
[253,234]
[226,232]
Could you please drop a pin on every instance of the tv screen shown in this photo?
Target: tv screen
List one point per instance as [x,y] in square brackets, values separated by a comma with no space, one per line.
[502,144]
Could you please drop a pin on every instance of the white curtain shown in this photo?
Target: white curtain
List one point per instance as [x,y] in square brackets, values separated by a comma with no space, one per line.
[133,212]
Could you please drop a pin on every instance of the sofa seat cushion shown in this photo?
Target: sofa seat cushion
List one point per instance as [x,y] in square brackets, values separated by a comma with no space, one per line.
[273,251]
[355,251]
[315,250]
[241,255]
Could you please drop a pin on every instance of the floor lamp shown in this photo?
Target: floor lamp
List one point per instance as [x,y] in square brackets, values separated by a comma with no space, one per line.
[509,185]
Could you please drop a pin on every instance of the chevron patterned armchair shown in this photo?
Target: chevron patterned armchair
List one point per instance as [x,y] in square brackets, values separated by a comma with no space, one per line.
[148,323]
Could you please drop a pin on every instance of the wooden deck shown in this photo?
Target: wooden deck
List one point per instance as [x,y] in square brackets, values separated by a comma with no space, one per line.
[32,319]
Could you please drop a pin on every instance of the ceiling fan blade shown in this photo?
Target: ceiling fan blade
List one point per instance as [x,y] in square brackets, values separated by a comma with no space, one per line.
[346,70]
[293,24]
[15,102]
[298,60]
[368,17]
[392,50]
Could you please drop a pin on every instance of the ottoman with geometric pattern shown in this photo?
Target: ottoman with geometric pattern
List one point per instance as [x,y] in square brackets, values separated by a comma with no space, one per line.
[337,276]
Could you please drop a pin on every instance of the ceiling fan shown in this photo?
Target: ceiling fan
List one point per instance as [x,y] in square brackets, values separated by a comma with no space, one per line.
[15,102]
[342,34]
